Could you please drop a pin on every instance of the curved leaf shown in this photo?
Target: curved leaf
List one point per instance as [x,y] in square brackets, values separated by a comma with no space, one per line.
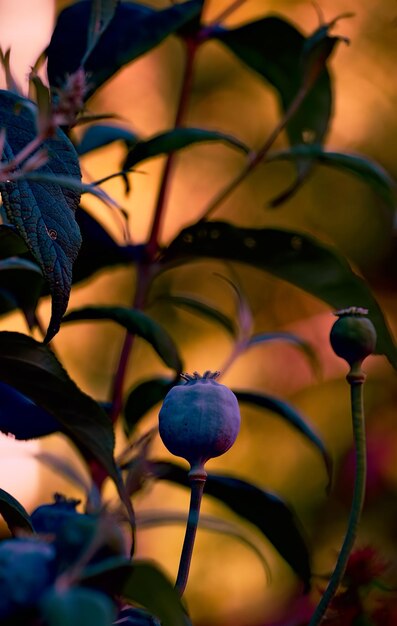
[265,510]
[365,169]
[101,135]
[303,345]
[292,416]
[147,586]
[32,369]
[43,213]
[11,243]
[23,418]
[14,513]
[176,139]
[142,398]
[102,13]
[136,322]
[21,283]
[77,606]
[295,257]
[134,30]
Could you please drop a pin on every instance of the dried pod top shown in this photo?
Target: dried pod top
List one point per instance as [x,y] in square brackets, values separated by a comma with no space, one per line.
[353,336]
[199,419]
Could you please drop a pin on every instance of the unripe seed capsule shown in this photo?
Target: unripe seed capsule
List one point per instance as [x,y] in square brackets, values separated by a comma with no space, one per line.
[353,336]
[200,419]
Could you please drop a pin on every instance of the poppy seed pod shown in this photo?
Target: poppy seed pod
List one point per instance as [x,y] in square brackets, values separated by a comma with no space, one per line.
[200,419]
[353,336]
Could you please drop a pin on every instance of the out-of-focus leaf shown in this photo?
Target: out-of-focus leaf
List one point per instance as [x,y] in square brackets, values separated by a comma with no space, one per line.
[292,416]
[136,322]
[366,170]
[198,305]
[102,13]
[95,238]
[295,257]
[265,510]
[101,135]
[273,48]
[142,398]
[290,338]
[43,213]
[32,369]
[176,139]
[148,587]
[21,283]
[134,30]
[14,513]
[108,574]
[77,606]
[23,418]
[11,243]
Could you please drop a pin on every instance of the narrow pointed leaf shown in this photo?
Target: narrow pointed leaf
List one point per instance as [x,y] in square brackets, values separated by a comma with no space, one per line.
[101,135]
[134,30]
[14,513]
[292,416]
[34,371]
[176,139]
[43,213]
[366,170]
[265,510]
[23,418]
[142,398]
[295,257]
[136,322]
[198,305]
[21,283]
[148,587]
[290,338]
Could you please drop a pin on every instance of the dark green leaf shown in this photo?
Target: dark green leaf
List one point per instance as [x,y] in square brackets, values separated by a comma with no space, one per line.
[107,575]
[134,30]
[291,338]
[292,416]
[11,243]
[137,323]
[366,170]
[142,398]
[43,213]
[32,369]
[102,135]
[21,283]
[14,513]
[202,308]
[148,587]
[173,140]
[297,258]
[77,606]
[261,508]
[23,418]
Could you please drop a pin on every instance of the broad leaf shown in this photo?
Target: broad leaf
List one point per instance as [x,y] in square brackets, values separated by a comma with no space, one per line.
[142,398]
[101,135]
[134,30]
[32,369]
[148,587]
[77,606]
[136,322]
[14,513]
[297,258]
[265,510]
[43,213]
[102,13]
[176,139]
[21,283]
[23,418]
[11,243]
[292,416]
[366,170]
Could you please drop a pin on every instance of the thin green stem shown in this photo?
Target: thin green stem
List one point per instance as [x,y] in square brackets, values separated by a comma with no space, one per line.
[356,379]
[197,482]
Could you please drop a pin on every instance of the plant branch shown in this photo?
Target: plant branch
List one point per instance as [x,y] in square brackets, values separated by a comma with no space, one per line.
[356,379]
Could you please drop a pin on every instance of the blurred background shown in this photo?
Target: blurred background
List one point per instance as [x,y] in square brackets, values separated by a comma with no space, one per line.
[228,581]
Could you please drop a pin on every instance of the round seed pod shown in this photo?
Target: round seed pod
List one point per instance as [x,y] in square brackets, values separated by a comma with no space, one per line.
[353,336]
[200,419]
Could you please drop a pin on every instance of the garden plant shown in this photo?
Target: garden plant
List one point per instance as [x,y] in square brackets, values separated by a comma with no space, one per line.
[74,561]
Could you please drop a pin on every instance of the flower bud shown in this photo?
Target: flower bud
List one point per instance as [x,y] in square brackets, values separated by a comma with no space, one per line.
[353,336]
[199,419]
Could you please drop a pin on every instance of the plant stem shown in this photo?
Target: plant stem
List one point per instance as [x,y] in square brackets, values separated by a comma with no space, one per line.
[355,378]
[254,158]
[197,480]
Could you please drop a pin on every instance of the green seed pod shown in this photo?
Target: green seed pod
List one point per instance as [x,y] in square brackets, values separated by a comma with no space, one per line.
[200,419]
[353,336]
